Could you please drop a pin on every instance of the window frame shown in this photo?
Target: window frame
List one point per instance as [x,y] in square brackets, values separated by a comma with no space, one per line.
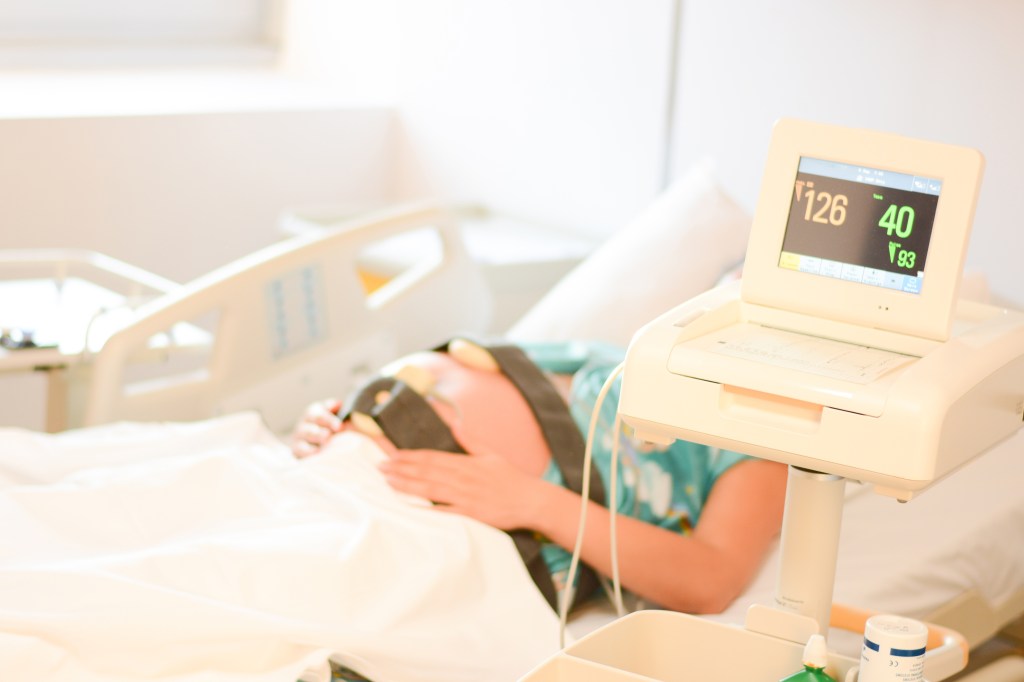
[35,39]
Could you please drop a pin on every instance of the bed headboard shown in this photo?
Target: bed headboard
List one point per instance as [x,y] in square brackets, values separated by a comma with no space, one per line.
[295,322]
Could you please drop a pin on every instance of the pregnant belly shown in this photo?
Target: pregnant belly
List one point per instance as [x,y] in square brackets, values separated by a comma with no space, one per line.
[485,408]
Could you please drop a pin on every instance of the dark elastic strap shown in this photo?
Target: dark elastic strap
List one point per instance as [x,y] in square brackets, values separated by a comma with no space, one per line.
[406,418]
[556,423]
[567,447]
[409,422]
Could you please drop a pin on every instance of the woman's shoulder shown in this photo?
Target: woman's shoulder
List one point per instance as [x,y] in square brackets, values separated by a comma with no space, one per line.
[569,357]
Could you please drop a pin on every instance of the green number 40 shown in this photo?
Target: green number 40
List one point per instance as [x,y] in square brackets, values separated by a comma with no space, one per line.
[898,219]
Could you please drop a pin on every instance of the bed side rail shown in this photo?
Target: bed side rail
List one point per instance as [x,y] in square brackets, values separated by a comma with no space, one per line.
[59,265]
[289,324]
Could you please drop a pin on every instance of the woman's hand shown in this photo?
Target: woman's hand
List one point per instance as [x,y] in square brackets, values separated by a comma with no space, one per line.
[318,423]
[482,485]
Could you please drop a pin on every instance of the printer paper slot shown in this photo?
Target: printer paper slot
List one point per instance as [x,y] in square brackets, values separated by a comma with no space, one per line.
[770,410]
[824,357]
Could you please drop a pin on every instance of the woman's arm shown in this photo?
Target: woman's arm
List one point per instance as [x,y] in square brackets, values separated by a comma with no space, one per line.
[699,573]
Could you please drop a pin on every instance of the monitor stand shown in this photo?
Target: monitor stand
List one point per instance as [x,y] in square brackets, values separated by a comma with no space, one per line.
[667,645]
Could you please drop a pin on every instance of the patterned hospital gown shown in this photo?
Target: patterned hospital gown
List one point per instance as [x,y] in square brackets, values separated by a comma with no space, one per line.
[664,486]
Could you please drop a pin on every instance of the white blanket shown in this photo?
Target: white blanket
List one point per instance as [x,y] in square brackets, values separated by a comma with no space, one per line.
[200,552]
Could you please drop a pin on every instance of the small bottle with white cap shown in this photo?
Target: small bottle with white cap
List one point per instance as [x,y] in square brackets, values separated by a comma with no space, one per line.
[815,659]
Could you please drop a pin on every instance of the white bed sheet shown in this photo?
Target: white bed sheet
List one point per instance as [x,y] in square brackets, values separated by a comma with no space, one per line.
[204,551]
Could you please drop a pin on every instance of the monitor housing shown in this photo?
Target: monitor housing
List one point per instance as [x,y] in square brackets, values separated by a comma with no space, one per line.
[862,228]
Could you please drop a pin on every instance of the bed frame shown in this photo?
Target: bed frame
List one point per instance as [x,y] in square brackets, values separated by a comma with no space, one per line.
[295,322]
[310,317]
[73,298]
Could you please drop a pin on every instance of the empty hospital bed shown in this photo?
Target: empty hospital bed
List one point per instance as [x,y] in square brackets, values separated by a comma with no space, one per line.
[961,563]
[297,321]
[56,308]
[293,322]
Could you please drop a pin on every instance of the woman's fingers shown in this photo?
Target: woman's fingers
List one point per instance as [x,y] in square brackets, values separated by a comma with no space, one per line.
[483,486]
[325,414]
[301,448]
[431,474]
[313,433]
[319,422]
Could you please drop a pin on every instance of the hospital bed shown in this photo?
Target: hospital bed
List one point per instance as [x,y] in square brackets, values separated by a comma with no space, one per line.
[960,558]
[290,323]
[297,321]
[58,305]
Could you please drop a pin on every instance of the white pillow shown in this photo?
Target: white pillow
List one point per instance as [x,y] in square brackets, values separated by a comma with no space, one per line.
[677,248]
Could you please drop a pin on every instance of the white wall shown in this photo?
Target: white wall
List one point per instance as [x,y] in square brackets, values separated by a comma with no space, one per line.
[552,111]
[182,194]
[934,69]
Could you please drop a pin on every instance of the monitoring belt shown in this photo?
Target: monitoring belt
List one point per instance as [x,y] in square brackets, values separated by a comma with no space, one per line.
[407,419]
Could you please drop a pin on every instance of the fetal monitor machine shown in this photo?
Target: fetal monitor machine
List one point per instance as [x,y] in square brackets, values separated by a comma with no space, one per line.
[844,348]
[843,352]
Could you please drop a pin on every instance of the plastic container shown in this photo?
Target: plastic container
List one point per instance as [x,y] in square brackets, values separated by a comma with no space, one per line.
[893,650]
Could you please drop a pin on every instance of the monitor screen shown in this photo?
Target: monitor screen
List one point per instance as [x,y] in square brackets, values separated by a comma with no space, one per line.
[860,224]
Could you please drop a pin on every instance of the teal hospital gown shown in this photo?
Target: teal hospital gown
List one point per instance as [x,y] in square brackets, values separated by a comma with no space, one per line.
[664,486]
